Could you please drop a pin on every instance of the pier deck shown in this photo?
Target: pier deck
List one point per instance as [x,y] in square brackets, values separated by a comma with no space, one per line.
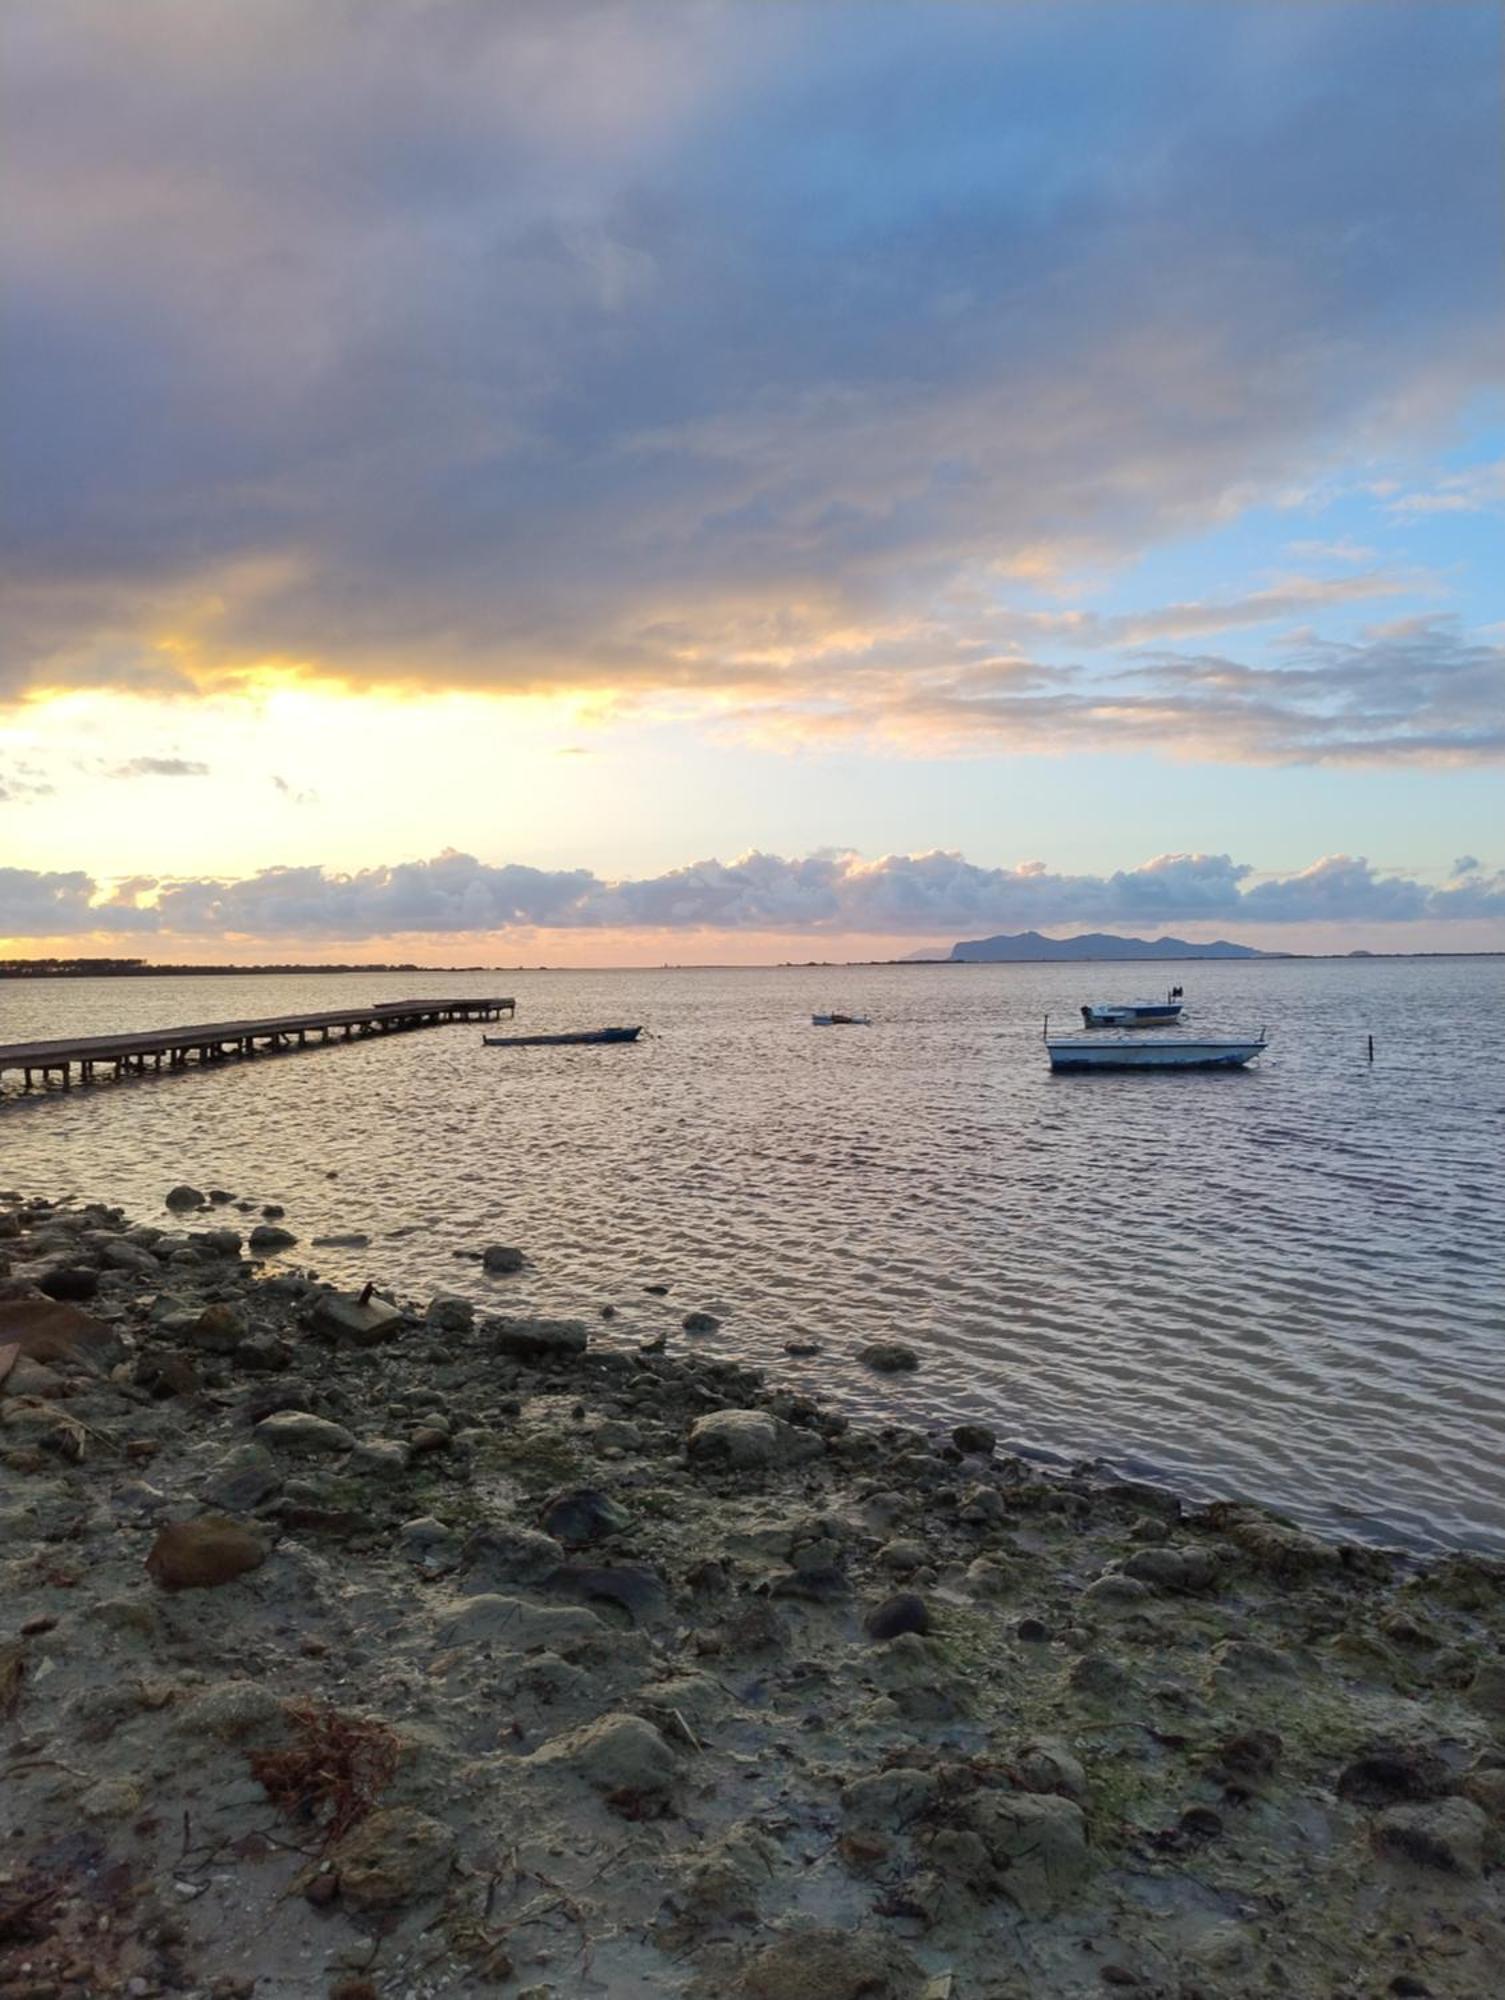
[217,1041]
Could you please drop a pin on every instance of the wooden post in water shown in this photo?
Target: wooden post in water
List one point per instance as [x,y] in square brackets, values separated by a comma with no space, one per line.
[1371,1048]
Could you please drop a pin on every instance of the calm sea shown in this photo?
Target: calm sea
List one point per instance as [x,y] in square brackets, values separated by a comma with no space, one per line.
[1284,1282]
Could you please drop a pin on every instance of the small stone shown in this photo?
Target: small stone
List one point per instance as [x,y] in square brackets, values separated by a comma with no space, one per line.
[1116,1593]
[69,1281]
[582,1515]
[503,1554]
[700,1322]
[501,1260]
[1100,1678]
[538,1339]
[110,1798]
[616,1753]
[1392,1774]
[352,1239]
[448,1314]
[888,1357]
[1181,1570]
[830,1965]
[904,1612]
[184,1196]
[902,1557]
[392,1857]
[219,1328]
[270,1236]
[975,1438]
[302,1431]
[198,1555]
[1447,1836]
[1487,1689]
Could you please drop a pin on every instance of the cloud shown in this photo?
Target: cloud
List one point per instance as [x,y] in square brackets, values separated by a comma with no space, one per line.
[1470,492]
[160,767]
[826,893]
[1415,690]
[532,349]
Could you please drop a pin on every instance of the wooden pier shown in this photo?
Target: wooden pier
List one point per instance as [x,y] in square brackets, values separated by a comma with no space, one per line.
[219,1041]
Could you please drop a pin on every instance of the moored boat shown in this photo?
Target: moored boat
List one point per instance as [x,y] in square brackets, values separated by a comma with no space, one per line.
[1140,1051]
[561,1041]
[1133,1014]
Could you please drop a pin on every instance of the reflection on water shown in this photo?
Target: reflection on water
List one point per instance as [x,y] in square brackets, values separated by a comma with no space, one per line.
[1282,1282]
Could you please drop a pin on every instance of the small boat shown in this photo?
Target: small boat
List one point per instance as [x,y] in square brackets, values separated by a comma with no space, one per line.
[1133,1014]
[561,1041]
[1131,1051]
[841,1021]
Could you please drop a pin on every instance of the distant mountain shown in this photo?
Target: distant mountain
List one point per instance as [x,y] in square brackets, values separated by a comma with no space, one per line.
[930,954]
[1023,946]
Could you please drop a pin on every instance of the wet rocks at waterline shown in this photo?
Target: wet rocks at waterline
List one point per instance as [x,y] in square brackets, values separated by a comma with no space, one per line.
[314,1599]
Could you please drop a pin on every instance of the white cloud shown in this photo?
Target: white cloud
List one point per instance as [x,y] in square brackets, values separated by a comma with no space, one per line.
[831,892]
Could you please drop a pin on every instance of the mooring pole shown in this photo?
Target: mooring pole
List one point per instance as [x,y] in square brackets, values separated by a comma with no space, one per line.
[1371,1048]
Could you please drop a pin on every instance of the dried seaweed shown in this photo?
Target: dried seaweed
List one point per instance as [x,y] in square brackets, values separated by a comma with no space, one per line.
[335,1771]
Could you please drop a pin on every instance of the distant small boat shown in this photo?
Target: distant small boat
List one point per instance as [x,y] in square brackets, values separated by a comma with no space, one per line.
[561,1041]
[840,1021]
[1131,1051]
[1133,1014]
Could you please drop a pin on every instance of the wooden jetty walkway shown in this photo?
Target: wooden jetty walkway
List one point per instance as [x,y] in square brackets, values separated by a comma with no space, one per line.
[217,1041]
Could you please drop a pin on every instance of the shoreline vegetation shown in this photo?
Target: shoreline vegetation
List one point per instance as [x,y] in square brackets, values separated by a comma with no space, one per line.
[365,1647]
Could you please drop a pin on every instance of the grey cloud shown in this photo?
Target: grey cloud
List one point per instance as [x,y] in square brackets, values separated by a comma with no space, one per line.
[831,892]
[483,346]
[160,767]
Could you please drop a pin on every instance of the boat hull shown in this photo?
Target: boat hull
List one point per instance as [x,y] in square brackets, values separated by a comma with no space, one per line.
[1138,1053]
[561,1041]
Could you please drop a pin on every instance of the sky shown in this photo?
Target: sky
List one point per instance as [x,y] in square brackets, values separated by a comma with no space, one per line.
[616,483]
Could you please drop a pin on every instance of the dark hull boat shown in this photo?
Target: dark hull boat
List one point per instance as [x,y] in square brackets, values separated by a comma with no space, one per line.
[561,1041]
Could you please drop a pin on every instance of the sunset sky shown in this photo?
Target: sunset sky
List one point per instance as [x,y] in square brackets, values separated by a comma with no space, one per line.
[614,483]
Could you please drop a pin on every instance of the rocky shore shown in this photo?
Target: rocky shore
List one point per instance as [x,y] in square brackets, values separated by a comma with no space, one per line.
[356,1647]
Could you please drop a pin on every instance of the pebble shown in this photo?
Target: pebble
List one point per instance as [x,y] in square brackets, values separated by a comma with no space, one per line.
[904,1612]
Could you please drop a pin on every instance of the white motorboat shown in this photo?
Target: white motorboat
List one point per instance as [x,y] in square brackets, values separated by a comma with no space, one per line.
[1140,1051]
[840,1021]
[1133,1014]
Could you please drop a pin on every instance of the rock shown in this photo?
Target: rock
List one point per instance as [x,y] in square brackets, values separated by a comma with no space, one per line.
[1447,1836]
[270,1236]
[1390,1774]
[69,1281]
[830,1965]
[517,1626]
[1487,1689]
[1046,1765]
[58,1334]
[801,1350]
[263,1354]
[353,1239]
[241,1480]
[448,1314]
[1116,1593]
[274,1211]
[501,1260]
[231,1711]
[888,1357]
[581,1515]
[748,1439]
[218,1242]
[1181,1570]
[1039,1845]
[301,1431]
[902,1557]
[394,1856]
[975,1438]
[199,1555]
[219,1328]
[430,1545]
[355,1319]
[184,1196]
[700,1322]
[616,1753]
[505,1554]
[1271,1544]
[1100,1678]
[110,1798]
[902,1613]
[538,1339]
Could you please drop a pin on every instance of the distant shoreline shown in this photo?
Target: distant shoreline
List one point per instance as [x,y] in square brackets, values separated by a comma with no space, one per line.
[40,969]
